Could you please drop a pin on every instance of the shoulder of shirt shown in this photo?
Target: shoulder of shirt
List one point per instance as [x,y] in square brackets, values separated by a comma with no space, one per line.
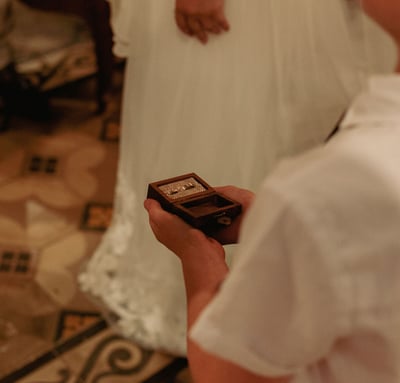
[374,116]
[318,173]
[293,172]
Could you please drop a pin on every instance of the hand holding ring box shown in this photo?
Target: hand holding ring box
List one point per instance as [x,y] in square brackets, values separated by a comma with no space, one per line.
[196,202]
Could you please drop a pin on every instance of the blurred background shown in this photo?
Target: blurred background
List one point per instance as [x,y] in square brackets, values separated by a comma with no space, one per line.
[60,95]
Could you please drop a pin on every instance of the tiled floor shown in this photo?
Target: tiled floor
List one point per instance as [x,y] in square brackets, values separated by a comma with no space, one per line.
[56,192]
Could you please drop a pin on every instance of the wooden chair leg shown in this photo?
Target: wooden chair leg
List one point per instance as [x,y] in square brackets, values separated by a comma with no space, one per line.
[98,19]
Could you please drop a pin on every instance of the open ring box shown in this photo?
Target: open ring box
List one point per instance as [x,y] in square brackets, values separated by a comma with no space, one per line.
[196,202]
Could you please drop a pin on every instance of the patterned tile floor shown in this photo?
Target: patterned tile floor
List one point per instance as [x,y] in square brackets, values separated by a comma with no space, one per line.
[56,192]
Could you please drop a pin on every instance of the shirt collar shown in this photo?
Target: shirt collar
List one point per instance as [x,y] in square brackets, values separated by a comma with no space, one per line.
[378,103]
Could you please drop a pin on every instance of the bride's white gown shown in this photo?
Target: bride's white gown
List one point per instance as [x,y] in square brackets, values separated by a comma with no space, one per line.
[275,84]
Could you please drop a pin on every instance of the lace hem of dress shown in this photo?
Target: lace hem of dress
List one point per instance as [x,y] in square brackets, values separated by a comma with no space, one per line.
[134,318]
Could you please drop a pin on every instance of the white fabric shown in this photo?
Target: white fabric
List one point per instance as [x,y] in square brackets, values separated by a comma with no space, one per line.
[314,290]
[122,12]
[275,84]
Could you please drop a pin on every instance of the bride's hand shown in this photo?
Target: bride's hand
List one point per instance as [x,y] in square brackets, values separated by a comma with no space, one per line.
[198,18]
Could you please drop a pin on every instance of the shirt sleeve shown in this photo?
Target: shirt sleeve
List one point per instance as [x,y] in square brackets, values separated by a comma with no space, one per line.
[277,311]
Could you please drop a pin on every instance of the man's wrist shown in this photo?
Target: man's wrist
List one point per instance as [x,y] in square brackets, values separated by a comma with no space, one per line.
[203,273]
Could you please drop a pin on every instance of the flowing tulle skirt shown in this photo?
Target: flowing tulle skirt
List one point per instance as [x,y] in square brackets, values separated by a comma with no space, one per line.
[272,86]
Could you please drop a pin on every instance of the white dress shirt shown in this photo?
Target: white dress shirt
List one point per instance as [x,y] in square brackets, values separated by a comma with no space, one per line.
[315,288]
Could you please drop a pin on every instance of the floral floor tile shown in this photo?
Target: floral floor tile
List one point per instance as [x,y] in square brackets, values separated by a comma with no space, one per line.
[97,216]
[57,182]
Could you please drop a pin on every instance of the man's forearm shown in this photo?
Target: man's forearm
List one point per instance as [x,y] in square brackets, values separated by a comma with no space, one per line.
[201,288]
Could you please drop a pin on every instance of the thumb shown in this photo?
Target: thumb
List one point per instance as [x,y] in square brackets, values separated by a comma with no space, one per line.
[149,204]
[154,209]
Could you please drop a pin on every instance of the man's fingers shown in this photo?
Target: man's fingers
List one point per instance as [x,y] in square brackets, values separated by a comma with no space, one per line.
[151,204]
[159,217]
[156,212]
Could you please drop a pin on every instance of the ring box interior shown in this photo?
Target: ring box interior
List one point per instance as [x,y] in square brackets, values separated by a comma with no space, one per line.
[195,201]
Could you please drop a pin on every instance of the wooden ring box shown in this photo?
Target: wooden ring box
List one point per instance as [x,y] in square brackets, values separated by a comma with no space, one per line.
[192,199]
